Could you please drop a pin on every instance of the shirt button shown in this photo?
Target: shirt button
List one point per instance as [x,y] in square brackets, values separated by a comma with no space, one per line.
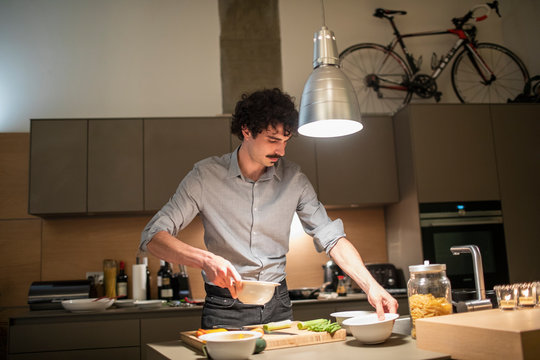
[254,233]
[254,209]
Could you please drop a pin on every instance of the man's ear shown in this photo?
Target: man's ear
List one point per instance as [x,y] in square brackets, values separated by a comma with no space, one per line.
[246,132]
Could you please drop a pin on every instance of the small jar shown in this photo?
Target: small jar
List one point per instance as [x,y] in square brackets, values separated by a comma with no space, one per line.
[341,287]
[429,292]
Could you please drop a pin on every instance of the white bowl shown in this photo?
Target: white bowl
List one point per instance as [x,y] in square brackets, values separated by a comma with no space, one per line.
[85,305]
[230,345]
[343,315]
[369,329]
[256,292]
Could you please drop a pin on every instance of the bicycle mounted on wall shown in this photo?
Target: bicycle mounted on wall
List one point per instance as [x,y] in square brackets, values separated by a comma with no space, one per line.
[481,72]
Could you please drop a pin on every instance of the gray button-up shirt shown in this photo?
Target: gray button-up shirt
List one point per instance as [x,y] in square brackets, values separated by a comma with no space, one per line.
[247,222]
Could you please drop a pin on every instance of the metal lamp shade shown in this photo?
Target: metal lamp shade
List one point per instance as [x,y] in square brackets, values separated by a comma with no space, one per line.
[329,106]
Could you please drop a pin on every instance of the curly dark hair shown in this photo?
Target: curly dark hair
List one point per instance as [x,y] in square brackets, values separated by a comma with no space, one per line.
[258,110]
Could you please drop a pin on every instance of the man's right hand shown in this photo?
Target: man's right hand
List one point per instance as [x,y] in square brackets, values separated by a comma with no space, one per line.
[222,273]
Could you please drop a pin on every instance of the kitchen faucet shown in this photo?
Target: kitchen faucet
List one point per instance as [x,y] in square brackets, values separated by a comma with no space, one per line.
[481,303]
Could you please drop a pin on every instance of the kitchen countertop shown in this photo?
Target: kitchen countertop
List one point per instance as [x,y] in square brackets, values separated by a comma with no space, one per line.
[397,347]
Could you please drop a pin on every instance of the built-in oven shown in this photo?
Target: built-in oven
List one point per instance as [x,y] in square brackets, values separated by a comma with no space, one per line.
[444,225]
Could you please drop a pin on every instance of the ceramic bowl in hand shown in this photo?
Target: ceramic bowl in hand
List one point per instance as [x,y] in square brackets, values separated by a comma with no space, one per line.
[343,315]
[256,292]
[369,329]
[230,345]
[94,304]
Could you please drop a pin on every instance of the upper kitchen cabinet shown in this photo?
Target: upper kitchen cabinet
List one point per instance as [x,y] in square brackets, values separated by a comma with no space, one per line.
[58,150]
[173,146]
[115,165]
[450,150]
[359,169]
[516,129]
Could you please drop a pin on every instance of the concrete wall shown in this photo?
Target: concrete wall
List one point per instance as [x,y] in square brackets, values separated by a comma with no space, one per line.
[126,58]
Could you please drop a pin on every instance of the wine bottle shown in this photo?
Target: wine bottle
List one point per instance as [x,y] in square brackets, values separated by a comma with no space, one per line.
[122,282]
[148,292]
[160,278]
[166,283]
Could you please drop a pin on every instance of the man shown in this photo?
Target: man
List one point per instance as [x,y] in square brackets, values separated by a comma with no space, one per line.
[247,200]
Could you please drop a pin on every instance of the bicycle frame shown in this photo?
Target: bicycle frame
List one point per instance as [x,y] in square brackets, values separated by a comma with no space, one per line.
[463,41]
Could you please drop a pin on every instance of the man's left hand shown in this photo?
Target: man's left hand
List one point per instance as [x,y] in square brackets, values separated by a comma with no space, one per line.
[381,300]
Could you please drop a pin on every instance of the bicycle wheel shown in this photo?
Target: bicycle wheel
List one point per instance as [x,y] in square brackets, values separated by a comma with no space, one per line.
[510,75]
[379,77]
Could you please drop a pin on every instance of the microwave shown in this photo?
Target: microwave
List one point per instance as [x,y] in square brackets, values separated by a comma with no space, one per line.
[444,225]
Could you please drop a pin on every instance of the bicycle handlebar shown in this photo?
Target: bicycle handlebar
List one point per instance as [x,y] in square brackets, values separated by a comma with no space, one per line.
[459,22]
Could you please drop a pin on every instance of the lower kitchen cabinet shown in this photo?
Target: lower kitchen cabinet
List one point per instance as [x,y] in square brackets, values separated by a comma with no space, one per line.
[123,333]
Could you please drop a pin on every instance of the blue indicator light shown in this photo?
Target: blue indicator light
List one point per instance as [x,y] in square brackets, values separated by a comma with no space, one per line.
[461,207]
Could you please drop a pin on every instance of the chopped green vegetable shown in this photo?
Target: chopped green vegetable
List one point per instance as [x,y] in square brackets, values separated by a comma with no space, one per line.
[260,345]
[319,325]
[277,325]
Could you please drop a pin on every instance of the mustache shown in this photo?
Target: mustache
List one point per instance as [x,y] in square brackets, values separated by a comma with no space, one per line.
[273,156]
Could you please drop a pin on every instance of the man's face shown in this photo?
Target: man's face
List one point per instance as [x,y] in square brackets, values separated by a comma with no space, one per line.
[268,146]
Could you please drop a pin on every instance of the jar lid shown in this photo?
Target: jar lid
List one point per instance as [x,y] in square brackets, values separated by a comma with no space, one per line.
[427,267]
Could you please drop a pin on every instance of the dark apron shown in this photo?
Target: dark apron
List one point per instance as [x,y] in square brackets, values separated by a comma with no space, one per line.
[220,309]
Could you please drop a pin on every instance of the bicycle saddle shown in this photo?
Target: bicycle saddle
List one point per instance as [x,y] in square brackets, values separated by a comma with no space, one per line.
[379,12]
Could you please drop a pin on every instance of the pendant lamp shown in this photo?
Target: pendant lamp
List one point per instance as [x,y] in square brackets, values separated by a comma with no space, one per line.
[329,106]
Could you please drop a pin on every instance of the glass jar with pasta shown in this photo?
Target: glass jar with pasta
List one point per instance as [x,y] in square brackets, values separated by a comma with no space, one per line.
[429,292]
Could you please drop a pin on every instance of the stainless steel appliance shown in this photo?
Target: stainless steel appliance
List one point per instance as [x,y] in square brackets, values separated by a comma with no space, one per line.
[445,225]
[48,295]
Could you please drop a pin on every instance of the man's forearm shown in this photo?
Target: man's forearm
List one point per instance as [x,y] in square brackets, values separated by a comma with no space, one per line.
[349,260]
[165,246]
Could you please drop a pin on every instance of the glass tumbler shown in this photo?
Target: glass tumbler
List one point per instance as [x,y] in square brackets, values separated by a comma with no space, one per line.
[506,296]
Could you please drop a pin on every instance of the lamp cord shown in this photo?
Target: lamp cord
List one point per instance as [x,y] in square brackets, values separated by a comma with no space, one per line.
[323,14]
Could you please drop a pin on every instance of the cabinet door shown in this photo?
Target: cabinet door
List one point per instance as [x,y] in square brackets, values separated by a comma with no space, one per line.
[453,153]
[115,165]
[172,147]
[58,167]
[359,168]
[517,133]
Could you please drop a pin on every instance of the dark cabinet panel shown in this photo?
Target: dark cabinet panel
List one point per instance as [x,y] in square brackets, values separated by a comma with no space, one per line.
[453,152]
[359,168]
[115,165]
[58,167]
[516,130]
[172,146]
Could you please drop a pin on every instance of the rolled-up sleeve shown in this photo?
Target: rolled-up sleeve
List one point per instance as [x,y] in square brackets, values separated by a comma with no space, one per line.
[178,212]
[315,221]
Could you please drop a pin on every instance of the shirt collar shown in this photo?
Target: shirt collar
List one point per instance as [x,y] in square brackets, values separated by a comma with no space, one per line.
[234,168]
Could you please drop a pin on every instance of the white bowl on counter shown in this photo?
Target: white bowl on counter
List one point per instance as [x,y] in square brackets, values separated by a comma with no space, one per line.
[369,329]
[230,345]
[343,315]
[86,305]
[256,292]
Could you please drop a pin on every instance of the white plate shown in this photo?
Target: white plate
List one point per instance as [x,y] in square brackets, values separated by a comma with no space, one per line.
[125,303]
[149,304]
[86,305]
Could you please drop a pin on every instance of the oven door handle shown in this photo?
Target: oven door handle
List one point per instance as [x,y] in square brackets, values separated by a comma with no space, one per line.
[460,222]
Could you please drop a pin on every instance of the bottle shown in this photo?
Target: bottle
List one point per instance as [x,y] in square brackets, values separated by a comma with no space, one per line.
[148,282]
[341,288]
[122,282]
[109,277]
[166,283]
[181,280]
[429,292]
[159,279]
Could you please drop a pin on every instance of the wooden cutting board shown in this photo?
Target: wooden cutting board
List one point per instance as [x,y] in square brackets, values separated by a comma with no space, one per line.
[486,334]
[283,338]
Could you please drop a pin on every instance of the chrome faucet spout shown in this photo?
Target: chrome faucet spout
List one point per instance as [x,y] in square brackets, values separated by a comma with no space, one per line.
[477,264]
